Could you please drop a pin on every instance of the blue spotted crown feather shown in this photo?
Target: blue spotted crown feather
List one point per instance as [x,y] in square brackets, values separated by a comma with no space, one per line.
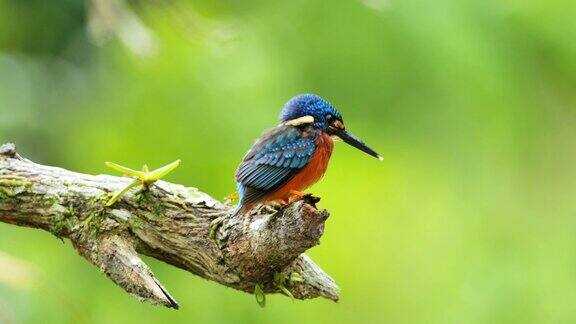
[309,105]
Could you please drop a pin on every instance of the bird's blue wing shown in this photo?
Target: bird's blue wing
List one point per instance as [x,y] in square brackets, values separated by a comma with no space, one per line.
[275,158]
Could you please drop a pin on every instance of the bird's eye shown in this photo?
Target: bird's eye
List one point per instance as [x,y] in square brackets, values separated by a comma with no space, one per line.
[328,117]
[338,124]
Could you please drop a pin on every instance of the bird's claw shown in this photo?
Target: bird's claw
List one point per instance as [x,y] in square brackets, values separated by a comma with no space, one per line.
[297,196]
[311,199]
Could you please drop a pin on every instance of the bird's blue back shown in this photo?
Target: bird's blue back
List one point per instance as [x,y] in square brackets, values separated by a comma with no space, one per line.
[275,158]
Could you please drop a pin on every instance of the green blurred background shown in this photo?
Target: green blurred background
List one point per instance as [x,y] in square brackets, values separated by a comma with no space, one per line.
[470,218]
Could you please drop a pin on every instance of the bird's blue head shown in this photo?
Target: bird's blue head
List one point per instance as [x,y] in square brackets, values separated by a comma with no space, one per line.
[311,109]
[313,106]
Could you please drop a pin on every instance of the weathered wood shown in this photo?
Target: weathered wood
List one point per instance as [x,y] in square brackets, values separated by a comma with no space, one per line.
[169,222]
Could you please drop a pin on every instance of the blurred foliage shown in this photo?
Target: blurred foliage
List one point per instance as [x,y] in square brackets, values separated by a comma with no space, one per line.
[470,218]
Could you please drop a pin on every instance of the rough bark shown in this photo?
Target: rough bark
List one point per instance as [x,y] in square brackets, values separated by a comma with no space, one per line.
[169,222]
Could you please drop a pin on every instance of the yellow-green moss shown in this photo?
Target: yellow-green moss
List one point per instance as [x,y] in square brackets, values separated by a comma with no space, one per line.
[11,187]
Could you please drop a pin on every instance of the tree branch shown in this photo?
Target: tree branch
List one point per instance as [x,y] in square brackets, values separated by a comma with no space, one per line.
[169,222]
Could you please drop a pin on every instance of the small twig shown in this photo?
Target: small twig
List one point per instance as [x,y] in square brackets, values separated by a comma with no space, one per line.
[144,177]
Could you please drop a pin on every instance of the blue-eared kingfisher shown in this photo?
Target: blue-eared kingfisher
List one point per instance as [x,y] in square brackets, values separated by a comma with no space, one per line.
[291,157]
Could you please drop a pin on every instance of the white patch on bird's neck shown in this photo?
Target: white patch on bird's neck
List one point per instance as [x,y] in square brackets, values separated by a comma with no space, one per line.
[300,121]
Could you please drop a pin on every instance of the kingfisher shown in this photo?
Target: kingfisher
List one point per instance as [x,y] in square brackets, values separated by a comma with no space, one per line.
[294,155]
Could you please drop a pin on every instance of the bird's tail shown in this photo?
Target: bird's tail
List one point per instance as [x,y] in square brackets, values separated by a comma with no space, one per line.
[241,208]
[238,210]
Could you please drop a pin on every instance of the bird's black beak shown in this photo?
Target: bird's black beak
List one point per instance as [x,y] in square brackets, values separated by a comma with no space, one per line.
[356,142]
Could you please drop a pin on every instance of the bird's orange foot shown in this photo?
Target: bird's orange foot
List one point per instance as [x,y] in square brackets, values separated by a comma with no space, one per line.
[291,197]
[296,195]
[306,197]
[280,204]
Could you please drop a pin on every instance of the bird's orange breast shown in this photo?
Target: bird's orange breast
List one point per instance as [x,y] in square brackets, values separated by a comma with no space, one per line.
[311,173]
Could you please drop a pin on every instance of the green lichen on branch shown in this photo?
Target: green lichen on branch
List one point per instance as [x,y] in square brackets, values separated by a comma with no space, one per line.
[61,224]
[145,199]
[76,213]
[12,186]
